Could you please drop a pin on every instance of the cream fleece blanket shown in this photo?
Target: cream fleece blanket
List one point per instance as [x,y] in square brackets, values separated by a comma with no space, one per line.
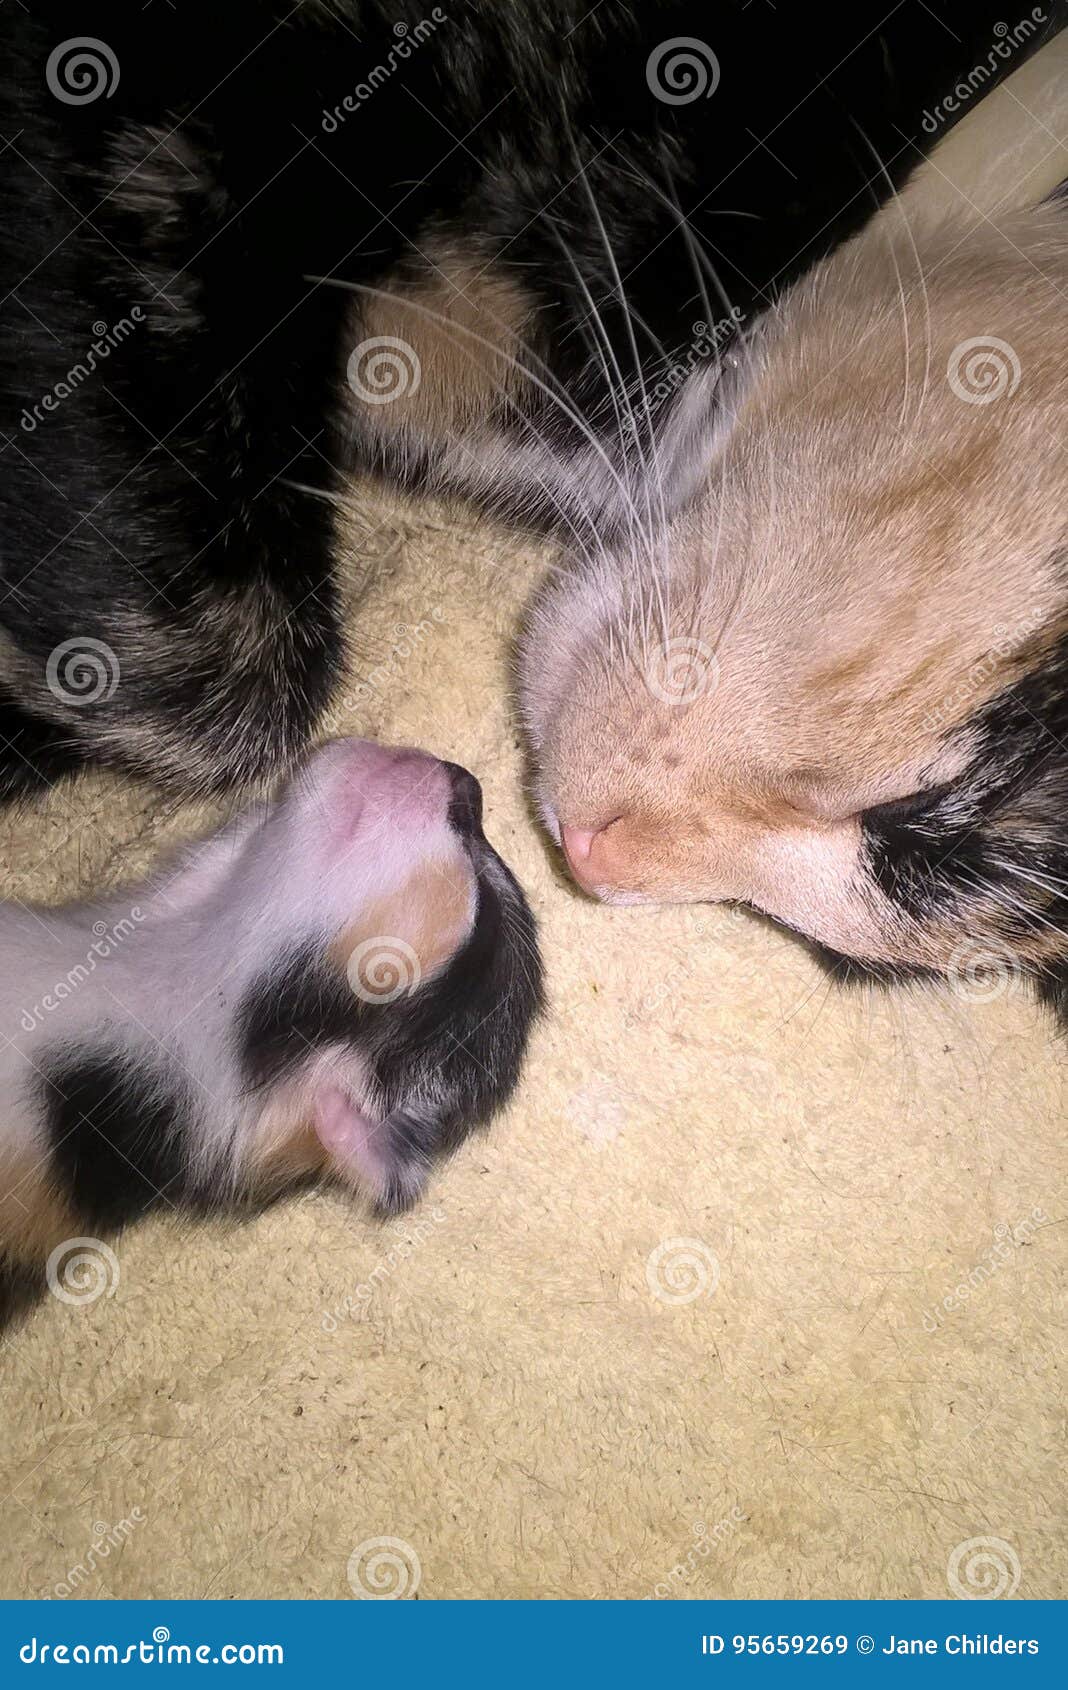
[757,1290]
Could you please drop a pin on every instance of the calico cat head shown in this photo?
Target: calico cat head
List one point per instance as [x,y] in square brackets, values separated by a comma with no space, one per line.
[835,687]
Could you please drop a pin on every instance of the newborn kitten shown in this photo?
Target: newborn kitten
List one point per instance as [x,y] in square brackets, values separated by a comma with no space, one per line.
[339,988]
[834,687]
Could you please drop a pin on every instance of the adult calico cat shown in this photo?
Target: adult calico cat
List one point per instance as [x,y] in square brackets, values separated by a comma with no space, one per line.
[181,187]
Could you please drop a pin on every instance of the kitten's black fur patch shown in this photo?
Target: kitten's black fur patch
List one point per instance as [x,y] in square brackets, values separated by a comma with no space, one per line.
[443,1057]
[119,1126]
[20,1288]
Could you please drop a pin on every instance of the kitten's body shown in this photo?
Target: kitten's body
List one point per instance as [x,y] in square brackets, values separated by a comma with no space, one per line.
[340,986]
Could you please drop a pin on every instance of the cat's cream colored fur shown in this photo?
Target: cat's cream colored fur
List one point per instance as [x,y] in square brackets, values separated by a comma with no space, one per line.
[879,549]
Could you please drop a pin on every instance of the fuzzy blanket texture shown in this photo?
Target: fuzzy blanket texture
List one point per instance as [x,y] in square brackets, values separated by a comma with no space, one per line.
[757,1289]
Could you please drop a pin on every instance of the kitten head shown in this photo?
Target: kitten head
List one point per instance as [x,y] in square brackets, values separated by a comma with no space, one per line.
[834,687]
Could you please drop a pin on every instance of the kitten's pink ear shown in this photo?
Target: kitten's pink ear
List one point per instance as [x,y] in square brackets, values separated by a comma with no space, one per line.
[357,1146]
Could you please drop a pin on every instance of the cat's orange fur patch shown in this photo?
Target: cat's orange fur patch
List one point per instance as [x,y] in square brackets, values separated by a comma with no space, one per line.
[464,320]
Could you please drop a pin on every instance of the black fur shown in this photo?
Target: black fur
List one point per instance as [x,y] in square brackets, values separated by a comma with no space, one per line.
[119,1131]
[156,508]
[444,1057]
[21,1286]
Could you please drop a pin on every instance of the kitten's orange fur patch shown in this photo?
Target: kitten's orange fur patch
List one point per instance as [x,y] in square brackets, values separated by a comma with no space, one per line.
[34,1217]
[430,912]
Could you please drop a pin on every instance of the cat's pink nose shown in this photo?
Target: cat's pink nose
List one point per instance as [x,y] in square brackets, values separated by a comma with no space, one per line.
[577,842]
[581,848]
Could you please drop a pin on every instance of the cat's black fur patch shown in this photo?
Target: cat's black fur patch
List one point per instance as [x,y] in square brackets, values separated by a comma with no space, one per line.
[206,186]
[994,836]
[119,1127]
